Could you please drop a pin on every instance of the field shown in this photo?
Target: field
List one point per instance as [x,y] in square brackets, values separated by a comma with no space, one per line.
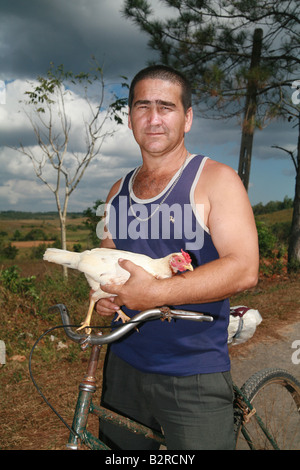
[28,233]
[29,286]
[276,217]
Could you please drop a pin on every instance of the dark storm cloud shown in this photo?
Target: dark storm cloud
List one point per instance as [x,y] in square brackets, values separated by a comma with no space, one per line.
[36,32]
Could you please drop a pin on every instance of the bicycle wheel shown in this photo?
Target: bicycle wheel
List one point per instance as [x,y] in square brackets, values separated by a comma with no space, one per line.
[275,395]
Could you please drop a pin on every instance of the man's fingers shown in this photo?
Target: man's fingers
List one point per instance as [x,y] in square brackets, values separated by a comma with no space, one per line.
[110,288]
[106,306]
[128,265]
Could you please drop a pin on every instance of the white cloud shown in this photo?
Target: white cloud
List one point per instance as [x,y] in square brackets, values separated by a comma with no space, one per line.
[118,154]
[12,192]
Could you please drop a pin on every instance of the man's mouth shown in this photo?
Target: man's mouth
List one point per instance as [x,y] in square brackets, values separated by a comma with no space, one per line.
[155,133]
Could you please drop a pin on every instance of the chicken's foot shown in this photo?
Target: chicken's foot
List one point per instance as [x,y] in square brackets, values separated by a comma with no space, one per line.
[122,316]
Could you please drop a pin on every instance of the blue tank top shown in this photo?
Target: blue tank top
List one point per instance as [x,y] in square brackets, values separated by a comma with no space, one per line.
[181,347]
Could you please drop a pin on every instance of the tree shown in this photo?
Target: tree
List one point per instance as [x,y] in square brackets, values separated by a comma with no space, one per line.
[292,113]
[294,244]
[55,163]
[93,217]
[234,70]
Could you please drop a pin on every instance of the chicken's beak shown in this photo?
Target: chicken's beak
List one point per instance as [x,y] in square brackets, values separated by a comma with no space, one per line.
[189,267]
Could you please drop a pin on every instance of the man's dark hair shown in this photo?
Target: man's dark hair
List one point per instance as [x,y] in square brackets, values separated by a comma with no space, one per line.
[163,72]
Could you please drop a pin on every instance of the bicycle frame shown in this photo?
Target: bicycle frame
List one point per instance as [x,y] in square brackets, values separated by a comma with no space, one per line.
[85,406]
[87,387]
[243,409]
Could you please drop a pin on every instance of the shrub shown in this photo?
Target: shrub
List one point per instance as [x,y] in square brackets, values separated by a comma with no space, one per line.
[37,252]
[12,281]
[9,251]
[266,239]
[281,231]
[17,235]
[77,247]
[36,234]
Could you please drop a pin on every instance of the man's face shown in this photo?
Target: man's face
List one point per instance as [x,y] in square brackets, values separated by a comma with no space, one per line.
[157,117]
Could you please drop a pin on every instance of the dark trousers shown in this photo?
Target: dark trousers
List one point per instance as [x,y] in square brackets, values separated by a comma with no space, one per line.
[194,412]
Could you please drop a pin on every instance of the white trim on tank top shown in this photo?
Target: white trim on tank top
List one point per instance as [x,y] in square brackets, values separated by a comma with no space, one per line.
[153,199]
[199,217]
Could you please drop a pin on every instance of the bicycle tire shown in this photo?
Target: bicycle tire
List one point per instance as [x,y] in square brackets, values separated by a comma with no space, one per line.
[275,395]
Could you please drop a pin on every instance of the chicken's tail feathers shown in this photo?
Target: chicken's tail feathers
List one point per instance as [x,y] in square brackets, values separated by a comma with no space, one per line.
[63,257]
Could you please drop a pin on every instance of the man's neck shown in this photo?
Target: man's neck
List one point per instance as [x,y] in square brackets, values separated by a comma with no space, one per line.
[151,180]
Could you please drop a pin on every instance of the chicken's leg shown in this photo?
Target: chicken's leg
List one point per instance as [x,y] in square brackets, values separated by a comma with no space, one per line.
[121,316]
[88,317]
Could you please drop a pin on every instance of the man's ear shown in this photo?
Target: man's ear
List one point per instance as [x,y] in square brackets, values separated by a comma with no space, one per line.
[188,120]
[129,119]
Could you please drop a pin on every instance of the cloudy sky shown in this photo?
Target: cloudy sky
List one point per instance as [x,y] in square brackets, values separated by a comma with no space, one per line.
[36,32]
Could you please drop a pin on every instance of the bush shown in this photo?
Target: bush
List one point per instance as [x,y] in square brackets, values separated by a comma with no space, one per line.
[9,251]
[266,239]
[56,243]
[77,247]
[12,281]
[281,231]
[17,235]
[35,234]
[92,220]
[37,252]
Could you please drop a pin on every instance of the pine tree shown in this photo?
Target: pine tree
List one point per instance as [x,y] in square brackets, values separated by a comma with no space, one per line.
[240,56]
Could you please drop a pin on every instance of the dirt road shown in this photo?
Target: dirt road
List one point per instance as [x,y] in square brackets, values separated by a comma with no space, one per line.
[272,351]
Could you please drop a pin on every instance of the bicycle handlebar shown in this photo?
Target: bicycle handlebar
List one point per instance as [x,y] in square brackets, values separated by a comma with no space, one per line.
[163,313]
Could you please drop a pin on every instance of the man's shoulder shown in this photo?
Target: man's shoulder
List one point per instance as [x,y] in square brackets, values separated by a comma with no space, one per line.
[114,189]
[215,171]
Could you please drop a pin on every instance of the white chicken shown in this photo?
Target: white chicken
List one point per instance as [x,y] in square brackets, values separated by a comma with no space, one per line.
[101,267]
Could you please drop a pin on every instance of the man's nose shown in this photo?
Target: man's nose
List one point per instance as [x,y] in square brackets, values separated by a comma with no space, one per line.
[154,116]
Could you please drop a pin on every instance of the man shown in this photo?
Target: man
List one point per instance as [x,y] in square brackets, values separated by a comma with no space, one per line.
[176,376]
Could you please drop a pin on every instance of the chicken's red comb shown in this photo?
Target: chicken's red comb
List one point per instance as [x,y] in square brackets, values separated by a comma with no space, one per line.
[186,257]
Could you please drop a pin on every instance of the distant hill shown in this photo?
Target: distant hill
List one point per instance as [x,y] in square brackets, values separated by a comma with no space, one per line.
[258,209]
[273,206]
[19,215]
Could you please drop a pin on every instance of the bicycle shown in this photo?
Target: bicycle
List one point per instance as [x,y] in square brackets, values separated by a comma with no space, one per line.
[266,407]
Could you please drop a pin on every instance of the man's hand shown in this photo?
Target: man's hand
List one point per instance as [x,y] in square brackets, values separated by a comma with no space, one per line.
[138,293]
